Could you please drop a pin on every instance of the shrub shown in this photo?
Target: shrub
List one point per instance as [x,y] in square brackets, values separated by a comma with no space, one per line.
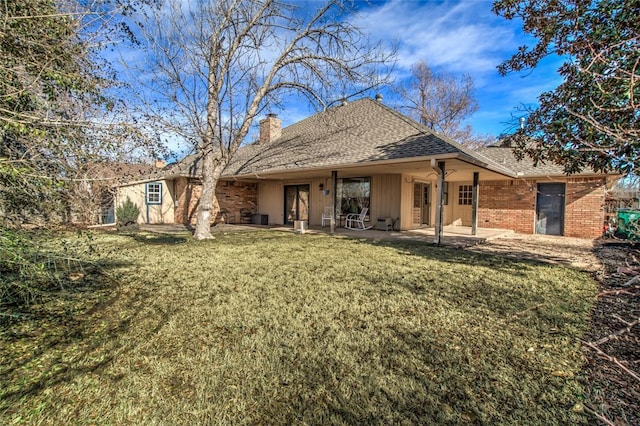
[127,213]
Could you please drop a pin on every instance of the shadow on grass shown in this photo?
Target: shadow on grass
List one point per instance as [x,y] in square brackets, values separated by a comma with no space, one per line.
[559,253]
[157,238]
[512,264]
[70,332]
[475,369]
[504,285]
[515,263]
[395,368]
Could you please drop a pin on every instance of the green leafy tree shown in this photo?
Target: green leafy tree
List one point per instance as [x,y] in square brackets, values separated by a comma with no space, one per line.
[591,119]
[57,113]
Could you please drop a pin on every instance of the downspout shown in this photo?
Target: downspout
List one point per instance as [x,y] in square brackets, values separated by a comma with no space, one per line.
[175,198]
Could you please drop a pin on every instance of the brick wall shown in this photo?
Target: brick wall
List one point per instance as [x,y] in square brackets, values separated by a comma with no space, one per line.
[584,207]
[512,205]
[507,204]
[187,196]
[234,199]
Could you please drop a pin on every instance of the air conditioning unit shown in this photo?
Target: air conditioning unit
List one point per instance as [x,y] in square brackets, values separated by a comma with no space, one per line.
[384,224]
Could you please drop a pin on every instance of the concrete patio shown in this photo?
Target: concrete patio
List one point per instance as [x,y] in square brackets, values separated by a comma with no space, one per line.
[456,236]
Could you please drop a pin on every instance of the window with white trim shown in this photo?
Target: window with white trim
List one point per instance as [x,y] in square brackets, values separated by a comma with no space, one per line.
[154,193]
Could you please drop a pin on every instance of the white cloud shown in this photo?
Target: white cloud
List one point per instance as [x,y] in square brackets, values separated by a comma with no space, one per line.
[463,37]
[456,37]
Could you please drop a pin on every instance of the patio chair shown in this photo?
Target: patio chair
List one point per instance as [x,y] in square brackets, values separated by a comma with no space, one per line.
[355,221]
[327,215]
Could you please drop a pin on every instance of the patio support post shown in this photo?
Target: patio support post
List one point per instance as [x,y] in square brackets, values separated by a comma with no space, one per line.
[334,199]
[474,204]
[439,201]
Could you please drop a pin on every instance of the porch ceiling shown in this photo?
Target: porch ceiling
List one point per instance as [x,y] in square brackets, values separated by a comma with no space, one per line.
[456,171]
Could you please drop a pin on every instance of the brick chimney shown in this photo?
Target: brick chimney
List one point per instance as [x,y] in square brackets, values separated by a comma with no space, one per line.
[270,128]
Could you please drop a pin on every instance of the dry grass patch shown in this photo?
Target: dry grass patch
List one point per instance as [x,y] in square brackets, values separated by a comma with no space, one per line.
[277,328]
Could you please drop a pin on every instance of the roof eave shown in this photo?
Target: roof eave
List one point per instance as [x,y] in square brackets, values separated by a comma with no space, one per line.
[428,158]
[139,181]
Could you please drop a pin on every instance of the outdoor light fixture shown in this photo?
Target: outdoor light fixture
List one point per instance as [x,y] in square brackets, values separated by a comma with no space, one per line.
[322,186]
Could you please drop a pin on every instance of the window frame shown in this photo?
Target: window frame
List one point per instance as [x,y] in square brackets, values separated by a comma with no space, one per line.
[365,200]
[465,195]
[155,192]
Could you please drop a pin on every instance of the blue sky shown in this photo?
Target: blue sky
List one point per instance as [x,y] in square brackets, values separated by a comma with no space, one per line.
[457,37]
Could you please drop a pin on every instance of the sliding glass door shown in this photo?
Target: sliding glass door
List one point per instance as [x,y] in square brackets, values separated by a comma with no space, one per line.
[296,203]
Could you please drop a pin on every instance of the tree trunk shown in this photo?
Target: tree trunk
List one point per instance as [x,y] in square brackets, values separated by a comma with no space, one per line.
[211,171]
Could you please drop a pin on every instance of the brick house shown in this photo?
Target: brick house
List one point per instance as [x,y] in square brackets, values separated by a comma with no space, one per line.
[365,154]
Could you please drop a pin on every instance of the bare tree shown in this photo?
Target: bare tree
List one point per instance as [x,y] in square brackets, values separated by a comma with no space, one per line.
[627,187]
[216,65]
[441,102]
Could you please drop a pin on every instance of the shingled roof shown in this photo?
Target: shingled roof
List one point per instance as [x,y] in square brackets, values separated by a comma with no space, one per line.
[525,167]
[356,133]
[118,172]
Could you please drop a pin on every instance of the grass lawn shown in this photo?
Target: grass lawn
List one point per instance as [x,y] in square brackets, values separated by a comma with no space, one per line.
[278,328]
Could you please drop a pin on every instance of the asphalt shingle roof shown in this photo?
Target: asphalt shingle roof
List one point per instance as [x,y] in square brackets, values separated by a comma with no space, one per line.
[523,168]
[358,132]
[118,172]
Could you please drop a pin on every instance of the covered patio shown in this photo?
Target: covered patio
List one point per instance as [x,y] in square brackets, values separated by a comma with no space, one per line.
[455,236]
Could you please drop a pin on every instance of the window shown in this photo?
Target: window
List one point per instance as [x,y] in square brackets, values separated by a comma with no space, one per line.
[465,195]
[354,194]
[154,193]
[417,195]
